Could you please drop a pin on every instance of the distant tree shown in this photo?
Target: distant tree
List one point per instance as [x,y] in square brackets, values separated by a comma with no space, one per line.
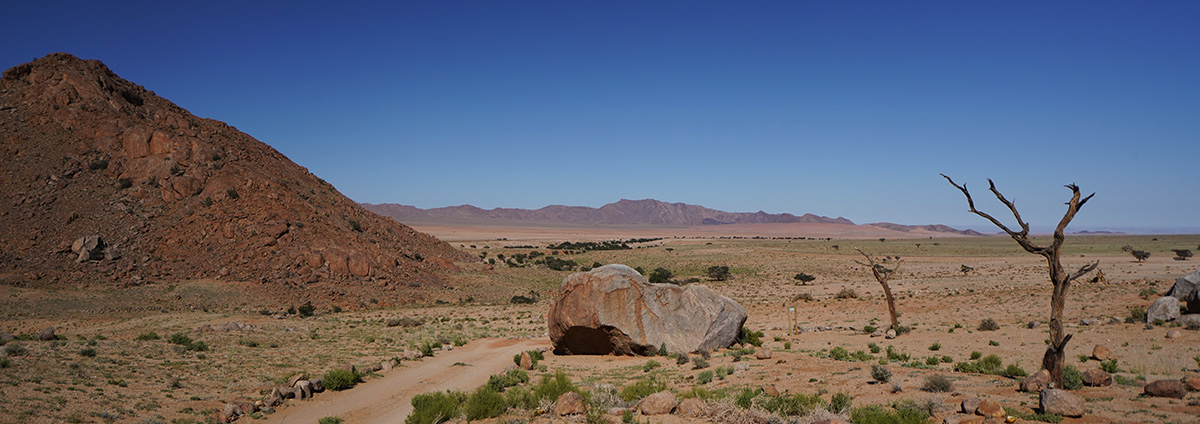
[1140,255]
[661,275]
[804,278]
[1056,349]
[718,273]
[1126,248]
[1182,254]
[882,274]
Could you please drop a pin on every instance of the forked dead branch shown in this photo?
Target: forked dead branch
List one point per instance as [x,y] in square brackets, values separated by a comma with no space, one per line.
[1055,355]
[882,274]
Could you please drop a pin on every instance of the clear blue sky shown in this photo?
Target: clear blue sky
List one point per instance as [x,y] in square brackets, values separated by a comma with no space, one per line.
[837,108]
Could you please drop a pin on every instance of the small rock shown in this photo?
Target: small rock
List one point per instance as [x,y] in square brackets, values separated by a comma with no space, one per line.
[410,354]
[526,361]
[47,334]
[1037,382]
[318,385]
[1097,378]
[660,403]
[1167,388]
[570,403]
[877,333]
[891,334]
[301,376]
[771,391]
[763,353]
[741,366]
[969,405]
[693,407]
[990,409]
[1033,324]
[1164,309]
[1101,353]
[1174,333]
[963,419]
[1061,402]
[1190,321]
[276,398]
[1192,383]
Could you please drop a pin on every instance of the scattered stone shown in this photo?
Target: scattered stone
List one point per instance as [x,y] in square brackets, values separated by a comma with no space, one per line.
[306,389]
[276,398]
[1037,382]
[763,353]
[570,403]
[351,368]
[410,354]
[1061,402]
[374,367]
[1090,321]
[301,376]
[613,309]
[1174,333]
[660,403]
[877,333]
[1190,321]
[88,248]
[47,334]
[891,334]
[526,361]
[771,390]
[1191,382]
[1164,309]
[741,366]
[969,405]
[1033,324]
[1185,285]
[1097,378]
[236,409]
[318,385]
[692,407]
[1167,388]
[1101,353]
[963,419]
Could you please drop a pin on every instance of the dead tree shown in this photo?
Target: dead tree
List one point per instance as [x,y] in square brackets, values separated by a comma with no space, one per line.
[882,274]
[1055,355]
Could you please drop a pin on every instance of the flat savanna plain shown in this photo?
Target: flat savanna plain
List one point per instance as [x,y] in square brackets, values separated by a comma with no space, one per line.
[105,367]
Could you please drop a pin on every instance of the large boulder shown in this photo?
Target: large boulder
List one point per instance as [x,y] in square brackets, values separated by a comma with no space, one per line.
[1185,285]
[1035,383]
[88,248]
[1166,308]
[1166,388]
[1061,402]
[660,403]
[569,403]
[613,309]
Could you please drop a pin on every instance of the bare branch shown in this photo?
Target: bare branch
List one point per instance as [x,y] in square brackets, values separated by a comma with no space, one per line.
[1083,270]
[1011,206]
[1022,238]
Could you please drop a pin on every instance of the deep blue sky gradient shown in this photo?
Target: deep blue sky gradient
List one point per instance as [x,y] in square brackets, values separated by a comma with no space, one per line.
[835,108]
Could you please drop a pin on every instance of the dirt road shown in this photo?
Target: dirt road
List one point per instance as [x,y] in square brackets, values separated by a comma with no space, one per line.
[388,400]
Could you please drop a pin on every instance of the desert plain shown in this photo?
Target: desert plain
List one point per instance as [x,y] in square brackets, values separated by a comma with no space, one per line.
[116,354]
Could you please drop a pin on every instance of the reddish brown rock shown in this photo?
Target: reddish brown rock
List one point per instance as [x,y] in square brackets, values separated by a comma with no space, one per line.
[1061,402]
[1101,353]
[1191,382]
[660,403]
[763,353]
[1097,378]
[526,361]
[569,403]
[693,407]
[613,309]
[989,409]
[1166,388]
[1037,382]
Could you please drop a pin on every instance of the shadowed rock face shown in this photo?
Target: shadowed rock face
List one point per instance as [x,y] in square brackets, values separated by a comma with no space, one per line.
[613,309]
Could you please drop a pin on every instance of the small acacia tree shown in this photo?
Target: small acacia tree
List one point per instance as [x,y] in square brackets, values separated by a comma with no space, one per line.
[1055,355]
[882,274]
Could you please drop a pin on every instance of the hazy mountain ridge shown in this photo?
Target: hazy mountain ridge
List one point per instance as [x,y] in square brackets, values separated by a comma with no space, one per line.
[623,212]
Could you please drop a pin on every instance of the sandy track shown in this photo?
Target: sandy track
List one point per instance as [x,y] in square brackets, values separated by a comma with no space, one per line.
[389,399]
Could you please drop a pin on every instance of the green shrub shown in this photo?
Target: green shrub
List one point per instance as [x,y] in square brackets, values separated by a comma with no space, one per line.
[662,350]
[535,356]
[881,374]
[520,398]
[180,339]
[682,358]
[650,365]
[1109,366]
[895,356]
[1137,314]
[839,353]
[435,407]
[839,403]
[483,403]
[1040,416]
[330,420]
[14,349]
[787,345]
[1072,378]
[933,361]
[875,414]
[341,379]
[306,310]
[788,405]
[699,363]
[873,347]
[750,337]
[5,362]
[937,384]
[745,398]
[704,377]
[87,351]
[551,387]
[936,346]
[1014,371]
[870,329]
[988,324]
[149,335]
[644,387]
[660,275]
[722,372]
[499,382]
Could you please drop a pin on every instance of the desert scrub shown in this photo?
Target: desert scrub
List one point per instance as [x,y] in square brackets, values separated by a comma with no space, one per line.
[880,373]
[704,377]
[839,353]
[846,293]
[483,403]
[330,420]
[839,402]
[534,355]
[937,384]
[1109,366]
[1072,378]
[699,363]
[936,346]
[750,337]
[551,387]
[149,335]
[875,414]
[786,405]
[644,387]
[403,322]
[1033,416]
[1137,314]
[435,407]
[499,382]
[341,379]
[650,365]
[187,342]
[988,324]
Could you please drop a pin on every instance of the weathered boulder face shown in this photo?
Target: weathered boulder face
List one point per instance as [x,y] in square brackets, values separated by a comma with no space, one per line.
[1165,309]
[613,309]
[1185,285]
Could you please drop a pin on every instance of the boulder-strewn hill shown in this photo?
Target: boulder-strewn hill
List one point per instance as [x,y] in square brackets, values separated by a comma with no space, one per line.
[623,212]
[87,153]
[937,228]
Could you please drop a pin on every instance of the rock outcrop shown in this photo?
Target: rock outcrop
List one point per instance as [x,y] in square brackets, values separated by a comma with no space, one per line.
[613,309]
[1164,309]
[93,161]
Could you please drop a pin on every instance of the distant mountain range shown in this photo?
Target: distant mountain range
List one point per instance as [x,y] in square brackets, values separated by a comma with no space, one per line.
[648,212]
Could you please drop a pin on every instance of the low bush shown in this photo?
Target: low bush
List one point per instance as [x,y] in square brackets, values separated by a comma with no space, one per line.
[704,377]
[87,351]
[937,384]
[500,382]
[750,337]
[435,407]
[880,373]
[699,363]
[846,293]
[534,355]
[839,353]
[551,387]
[839,403]
[988,324]
[404,322]
[650,365]
[483,403]
[1072,378]
[1033,416]
[330,420]
[936,346]
[1109,366]
[804,278]
[1137,314]
[14,349]
[520,397]
[788,405]
[341,379]
[645,387]
[149,335]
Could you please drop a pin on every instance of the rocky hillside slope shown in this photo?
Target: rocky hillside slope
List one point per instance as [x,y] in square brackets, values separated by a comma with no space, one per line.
[174,196]
[624,212]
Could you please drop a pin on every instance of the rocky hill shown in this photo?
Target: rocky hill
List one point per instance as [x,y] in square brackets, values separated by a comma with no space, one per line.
[163,194]
[624,212]
[936,228]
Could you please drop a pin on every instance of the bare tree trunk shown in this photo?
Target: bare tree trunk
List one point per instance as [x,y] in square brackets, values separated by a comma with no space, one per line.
[882,274]
[887,293]
[1055,355]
